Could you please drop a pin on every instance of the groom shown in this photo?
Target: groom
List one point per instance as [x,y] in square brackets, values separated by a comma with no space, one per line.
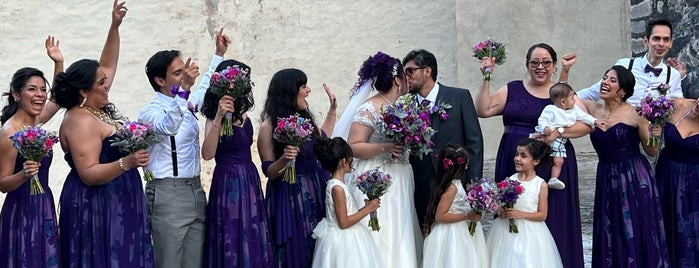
[461,127]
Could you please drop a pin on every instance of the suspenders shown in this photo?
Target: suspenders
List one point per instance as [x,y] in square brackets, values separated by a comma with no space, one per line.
[667,70]
[173,149]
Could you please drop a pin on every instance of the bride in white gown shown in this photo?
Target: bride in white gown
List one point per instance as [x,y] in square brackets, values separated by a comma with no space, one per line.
[400,239]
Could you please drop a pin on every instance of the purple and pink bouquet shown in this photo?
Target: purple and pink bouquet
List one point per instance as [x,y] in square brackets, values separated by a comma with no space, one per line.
[374,184]
[658,111]
[407,122]
[232,81]
[508,193]
[489,49]
[34,143]
[482,196]
[135,136]
[295,131]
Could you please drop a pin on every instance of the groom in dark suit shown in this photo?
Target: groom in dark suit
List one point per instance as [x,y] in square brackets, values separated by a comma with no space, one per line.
[461,127]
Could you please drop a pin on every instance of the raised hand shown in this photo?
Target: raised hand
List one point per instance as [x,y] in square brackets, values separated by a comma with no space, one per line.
[222,42]
[191,72]
[331,97]
[677,64]
[568,60]
[118,12]
[53,49]
[487,63]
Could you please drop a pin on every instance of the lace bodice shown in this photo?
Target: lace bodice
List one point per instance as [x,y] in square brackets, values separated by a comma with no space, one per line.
[330,204]
[459,205]
[528,201]
[367,115]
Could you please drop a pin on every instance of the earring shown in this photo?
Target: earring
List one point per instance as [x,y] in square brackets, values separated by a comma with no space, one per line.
[83,102]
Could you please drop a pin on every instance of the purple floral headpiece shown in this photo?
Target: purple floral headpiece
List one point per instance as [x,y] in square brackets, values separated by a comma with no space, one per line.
[369,68]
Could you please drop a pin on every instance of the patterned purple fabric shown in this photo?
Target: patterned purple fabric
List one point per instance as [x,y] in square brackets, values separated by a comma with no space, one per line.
[295,209]
[28,224]
[628,227]
[104,225]
[520,116]
[677,173]
[237,233]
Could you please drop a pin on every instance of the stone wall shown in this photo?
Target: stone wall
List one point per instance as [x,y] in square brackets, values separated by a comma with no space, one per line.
[684,15]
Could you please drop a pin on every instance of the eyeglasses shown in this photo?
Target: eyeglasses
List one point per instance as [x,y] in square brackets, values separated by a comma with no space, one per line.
[535,63]
[409,70]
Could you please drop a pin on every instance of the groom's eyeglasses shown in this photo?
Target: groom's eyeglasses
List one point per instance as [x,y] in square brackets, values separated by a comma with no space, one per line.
[409,70]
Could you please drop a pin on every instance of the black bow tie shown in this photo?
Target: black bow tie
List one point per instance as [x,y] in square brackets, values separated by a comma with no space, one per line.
[656,71]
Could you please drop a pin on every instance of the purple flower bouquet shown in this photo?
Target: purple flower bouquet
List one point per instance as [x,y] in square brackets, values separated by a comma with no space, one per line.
[232,81]
[508,193]
[34,143]
[374,184]
[658,111]
[408,122]
[135,136]
[488,49]
[293,130]
[482,197]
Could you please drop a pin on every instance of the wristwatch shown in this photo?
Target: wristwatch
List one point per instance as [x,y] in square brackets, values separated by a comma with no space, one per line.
[560,130]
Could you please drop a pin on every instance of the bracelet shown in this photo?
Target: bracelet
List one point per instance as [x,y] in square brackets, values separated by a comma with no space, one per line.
[121,165]
[563,82]
[332,114]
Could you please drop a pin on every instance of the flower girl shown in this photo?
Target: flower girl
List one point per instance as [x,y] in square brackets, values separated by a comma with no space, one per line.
[341,241]
[448,242]
[532,244]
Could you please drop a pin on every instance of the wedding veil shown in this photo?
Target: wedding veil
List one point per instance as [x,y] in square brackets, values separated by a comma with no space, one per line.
[342,127]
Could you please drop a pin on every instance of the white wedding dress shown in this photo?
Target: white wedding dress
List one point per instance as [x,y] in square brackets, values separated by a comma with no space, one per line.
[533,246]
[400,239]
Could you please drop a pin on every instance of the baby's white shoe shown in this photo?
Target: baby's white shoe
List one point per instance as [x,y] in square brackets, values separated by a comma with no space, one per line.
[555,183]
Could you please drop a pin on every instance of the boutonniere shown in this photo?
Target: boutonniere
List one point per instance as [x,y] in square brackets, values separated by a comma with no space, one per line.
[193,109]
[441,110]
[663,88]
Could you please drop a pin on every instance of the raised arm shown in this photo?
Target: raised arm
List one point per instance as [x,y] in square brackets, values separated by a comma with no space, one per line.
[222,42]
[488,105]
[568,61]
[329,123]
[54,52]
[110,52]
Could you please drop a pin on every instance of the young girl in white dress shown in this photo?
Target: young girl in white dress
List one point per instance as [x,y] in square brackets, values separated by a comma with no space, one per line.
[448,242]
[341,241]
[533,246]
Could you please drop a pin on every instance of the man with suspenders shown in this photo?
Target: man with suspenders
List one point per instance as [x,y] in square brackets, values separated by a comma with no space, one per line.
[175,199]
[650,70]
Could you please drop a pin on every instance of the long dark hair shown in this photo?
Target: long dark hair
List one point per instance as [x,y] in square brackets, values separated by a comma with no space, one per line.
[281,100]
[452,163]
[242,104]
[331,151]
[19,80]
[81,75]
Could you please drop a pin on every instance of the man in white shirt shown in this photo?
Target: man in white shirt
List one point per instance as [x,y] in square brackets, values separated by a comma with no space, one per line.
[175,199]
[650,70]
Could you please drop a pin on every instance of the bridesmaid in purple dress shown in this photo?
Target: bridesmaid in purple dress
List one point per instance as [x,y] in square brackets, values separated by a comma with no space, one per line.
[237,233]
[28,224]
[677,173]
[628,227]
[293,209]
[103,220]
[520,103]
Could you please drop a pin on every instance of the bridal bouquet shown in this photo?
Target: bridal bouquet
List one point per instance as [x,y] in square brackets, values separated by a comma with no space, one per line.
[295,131]
[408,122]
[508,191]
[232,81]
[658,111]
[374,184]
[488,49]
[135,136]
[34,143]
[482,197]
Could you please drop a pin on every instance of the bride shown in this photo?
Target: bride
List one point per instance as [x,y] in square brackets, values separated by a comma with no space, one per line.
[399,239]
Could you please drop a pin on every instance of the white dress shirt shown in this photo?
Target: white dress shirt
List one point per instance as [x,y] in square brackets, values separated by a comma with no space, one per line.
[645,82]
[554,117]
[432,96]
[171,116]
